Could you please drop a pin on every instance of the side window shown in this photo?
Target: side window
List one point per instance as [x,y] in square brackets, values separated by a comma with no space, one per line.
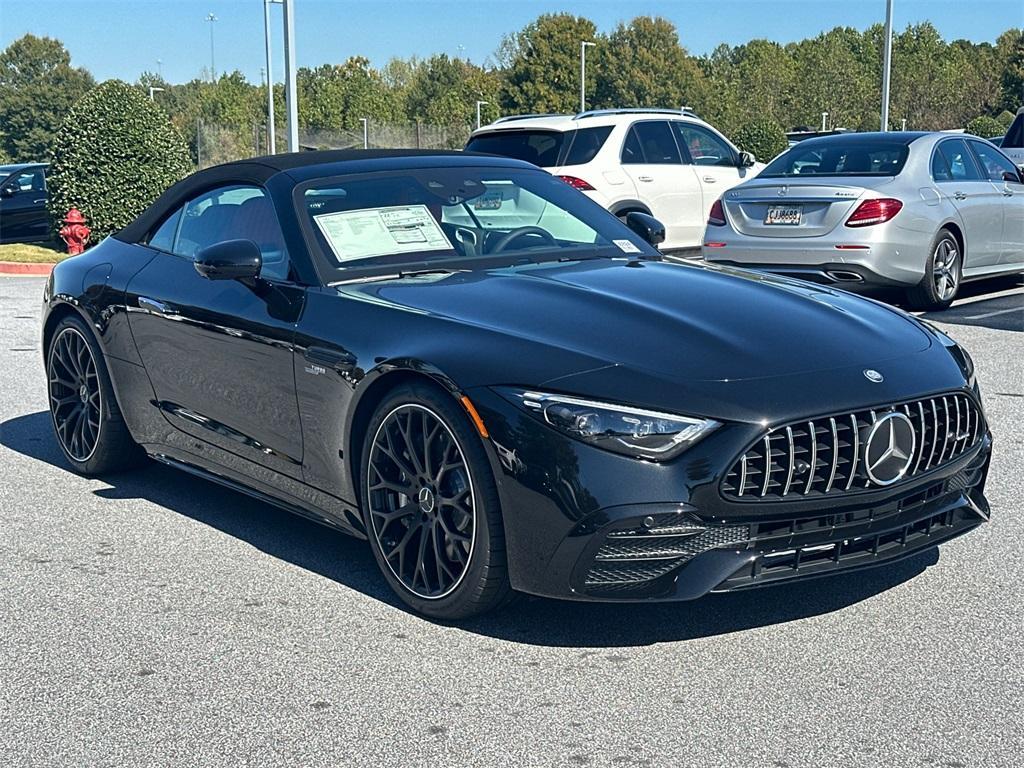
[236,212]
[632,153]
[940,168]
[703,147]
[586,144]
[993,163]
[656,139]
[163,237]
[961,163]
[27,181]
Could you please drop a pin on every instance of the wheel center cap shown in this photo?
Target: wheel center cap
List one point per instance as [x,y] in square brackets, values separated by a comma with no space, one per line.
[83,393]
[427,500]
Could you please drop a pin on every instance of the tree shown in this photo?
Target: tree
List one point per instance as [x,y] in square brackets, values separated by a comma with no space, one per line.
[336,96]
[985,127]
[543,73]
[38,86]
[112,156]
[761,136]
[1010,66]
[444,92]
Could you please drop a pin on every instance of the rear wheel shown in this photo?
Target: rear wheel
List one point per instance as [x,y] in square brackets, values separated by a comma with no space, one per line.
[431,507]
[86,419]
[943,273]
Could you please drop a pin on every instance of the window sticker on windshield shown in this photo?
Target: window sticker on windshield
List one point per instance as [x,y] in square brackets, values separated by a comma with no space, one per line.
[626,246]
[371,232]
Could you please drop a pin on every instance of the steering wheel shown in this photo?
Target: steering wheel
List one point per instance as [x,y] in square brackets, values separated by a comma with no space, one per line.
[505,240]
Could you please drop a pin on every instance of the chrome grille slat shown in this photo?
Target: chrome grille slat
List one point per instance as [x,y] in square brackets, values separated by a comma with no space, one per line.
[835,455]
[945,427]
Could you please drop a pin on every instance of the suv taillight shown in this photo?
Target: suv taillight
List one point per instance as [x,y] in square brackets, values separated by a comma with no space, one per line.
[875,211]
[717,216]
[576,183]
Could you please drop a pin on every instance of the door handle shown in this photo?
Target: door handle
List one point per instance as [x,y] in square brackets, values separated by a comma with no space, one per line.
[340,361]
[645,178]
[152,305]
[1007,192]
[959,196]
[710,179]
[40,200]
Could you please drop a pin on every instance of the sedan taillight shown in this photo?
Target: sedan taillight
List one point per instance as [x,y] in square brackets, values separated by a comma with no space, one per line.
[717,216]
[876,211]
[576,183]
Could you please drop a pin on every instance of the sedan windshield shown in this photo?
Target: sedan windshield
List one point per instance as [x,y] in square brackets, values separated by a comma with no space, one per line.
[447,216]
[839,156]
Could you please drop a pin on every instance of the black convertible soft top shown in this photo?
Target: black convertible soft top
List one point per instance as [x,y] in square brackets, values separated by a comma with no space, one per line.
[258,170]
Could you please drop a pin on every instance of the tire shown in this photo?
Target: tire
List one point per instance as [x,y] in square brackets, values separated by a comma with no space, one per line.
[943,275]
[453,563]
[87,422]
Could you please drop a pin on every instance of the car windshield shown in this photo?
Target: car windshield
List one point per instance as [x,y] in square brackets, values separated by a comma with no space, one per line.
[839,156]
[443,216]
[538,147]
[1014,138]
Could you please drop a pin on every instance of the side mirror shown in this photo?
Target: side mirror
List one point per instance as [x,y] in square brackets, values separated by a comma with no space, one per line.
[1007,176]
[747,159]
[648,227]
[230,260]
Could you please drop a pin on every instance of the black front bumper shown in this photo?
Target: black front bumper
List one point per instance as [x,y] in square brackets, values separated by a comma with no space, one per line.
[679,556]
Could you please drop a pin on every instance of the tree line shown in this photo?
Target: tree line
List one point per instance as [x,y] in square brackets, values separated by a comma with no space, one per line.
[936,84]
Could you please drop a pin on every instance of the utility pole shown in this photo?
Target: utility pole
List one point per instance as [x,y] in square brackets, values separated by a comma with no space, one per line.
[478,105]
[160,68]
[271,131]
[290,88]
[887,65]
[584,44]
[213,69]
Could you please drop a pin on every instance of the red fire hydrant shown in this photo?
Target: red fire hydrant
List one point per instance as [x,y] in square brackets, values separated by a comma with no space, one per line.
[74,232]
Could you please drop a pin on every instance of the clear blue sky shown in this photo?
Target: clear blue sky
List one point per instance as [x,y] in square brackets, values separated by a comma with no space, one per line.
[123,38]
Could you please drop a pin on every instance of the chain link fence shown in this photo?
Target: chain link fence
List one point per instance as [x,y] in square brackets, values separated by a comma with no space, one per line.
[213,144]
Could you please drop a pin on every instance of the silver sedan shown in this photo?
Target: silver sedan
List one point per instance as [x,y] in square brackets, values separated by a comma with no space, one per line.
[919,211]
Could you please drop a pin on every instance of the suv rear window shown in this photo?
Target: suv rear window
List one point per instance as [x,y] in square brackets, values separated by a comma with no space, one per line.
[839,157]
[544,148]
[1014,138]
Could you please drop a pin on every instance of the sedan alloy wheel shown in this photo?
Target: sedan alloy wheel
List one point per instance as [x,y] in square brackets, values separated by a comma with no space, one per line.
[75,399]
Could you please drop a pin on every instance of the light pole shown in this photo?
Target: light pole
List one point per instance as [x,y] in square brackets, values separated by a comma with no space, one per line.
[366,132]
[271,136]
[584,44]
[213,69]
[824,121]
[153,89]
[903,124]
[290,88]
[478,105]
[160,68]
[887,65]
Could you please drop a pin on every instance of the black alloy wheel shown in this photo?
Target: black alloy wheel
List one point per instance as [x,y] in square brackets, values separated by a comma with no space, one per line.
[421,501]
[75,398]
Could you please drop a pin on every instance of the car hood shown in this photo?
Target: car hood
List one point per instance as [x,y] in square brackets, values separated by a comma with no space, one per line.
[681,322]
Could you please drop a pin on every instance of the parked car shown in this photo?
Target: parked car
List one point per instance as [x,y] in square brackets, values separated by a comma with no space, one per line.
[502,387]
[23,216]
[667,163]
[917,211]
[1013,142]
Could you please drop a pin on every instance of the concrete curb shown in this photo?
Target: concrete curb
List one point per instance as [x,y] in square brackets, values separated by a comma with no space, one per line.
[20,268]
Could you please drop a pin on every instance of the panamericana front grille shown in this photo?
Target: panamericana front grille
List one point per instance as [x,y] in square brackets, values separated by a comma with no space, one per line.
[825,456]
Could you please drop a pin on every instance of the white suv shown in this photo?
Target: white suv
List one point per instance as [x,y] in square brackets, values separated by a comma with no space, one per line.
[668,163]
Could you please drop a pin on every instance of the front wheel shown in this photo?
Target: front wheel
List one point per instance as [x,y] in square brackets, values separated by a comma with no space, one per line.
[943,273]
[86,419]
[431,506]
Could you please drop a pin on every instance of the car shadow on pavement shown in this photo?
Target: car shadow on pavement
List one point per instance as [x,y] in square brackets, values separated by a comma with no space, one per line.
[535,621]
[1002,312]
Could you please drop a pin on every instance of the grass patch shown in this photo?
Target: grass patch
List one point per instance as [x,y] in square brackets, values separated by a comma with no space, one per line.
[31,253]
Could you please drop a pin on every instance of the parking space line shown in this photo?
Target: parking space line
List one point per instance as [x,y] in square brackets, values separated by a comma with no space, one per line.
[993,314]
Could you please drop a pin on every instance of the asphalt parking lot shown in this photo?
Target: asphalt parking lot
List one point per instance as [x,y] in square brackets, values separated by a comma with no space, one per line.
[157,619]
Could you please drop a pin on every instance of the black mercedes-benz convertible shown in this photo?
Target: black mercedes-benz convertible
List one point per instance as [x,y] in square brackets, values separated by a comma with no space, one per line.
[504,388]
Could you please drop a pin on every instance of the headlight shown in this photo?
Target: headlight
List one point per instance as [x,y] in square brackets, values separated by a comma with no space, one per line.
[631,431]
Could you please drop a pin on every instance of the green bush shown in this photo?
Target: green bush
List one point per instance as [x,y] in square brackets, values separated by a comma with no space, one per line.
[985,127]
[113,155]
[762,136]
[1005,120]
